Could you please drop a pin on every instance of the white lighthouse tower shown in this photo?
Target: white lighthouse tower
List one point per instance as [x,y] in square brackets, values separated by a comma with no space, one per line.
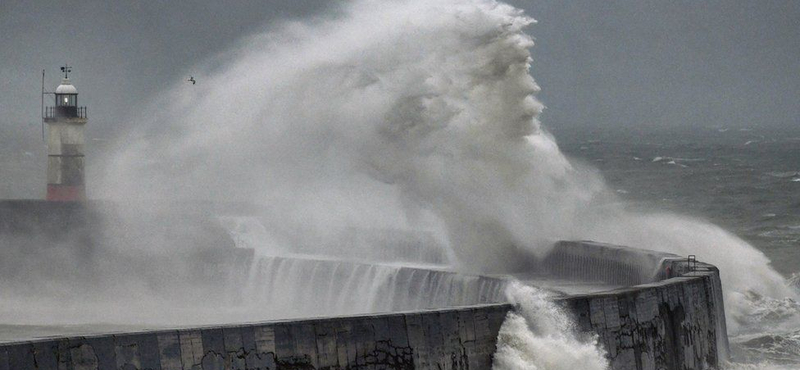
[65,144]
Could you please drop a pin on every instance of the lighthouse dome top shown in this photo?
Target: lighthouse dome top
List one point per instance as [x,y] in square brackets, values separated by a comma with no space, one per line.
[66,87]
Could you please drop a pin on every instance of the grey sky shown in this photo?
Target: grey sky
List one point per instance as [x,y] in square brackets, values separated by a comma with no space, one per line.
[602,65]
[122,51]
[681,63]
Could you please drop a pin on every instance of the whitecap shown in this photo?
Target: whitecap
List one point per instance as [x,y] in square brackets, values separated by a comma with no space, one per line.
[783,174]
[794,281]
[539,335]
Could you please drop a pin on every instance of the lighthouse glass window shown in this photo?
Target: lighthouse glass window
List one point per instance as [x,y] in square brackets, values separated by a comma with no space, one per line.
[66,100]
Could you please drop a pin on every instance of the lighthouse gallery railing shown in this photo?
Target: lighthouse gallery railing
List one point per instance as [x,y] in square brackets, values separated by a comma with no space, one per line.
[65,112]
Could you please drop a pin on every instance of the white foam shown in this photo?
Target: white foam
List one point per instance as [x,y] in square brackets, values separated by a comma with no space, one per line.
[406,114]
[784,174]
[539,335]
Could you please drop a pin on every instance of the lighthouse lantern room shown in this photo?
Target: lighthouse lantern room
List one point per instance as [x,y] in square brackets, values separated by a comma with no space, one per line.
[65,144]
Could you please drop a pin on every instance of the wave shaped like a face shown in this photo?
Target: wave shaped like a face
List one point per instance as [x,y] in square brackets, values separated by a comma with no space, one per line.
[415,113]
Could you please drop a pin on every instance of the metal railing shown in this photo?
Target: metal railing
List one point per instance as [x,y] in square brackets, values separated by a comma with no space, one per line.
[65,112]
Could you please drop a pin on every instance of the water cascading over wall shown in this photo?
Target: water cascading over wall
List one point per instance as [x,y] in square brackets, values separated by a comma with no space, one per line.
[675,320]
[298,287]
[89,258]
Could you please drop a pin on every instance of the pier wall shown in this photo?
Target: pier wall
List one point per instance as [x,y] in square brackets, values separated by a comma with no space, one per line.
[669,324]
[612,264]
[452,338]
[673,324]
[670,317]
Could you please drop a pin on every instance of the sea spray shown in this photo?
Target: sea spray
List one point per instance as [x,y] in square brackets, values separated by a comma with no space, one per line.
[749,282]
[794,281]
[538,334]
[414,114]
[404,114]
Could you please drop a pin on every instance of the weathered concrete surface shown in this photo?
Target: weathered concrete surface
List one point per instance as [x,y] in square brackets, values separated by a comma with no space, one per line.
[667,325]
[677,323]
[612,264]
[671,324]
[670,300]
[445,339]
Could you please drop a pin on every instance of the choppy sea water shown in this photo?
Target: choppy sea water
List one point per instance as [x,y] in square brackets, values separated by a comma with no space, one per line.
[744,180]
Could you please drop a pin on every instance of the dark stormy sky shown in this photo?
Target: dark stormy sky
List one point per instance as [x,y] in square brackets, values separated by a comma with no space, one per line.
[603,65]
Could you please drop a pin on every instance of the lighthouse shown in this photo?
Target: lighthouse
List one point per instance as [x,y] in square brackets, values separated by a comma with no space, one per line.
[65,144]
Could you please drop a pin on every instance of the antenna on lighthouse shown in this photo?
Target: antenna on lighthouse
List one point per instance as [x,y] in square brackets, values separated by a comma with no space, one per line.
[66,69]
[42,110]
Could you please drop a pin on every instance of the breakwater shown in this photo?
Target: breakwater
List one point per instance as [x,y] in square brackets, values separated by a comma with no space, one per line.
[673,321]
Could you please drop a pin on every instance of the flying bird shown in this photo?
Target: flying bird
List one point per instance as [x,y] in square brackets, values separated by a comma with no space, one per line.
[192,80]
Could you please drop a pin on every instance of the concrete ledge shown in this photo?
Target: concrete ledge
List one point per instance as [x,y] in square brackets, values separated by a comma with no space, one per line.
[612,264]
[670,317]
[668,324]
[672,324]
[460,338]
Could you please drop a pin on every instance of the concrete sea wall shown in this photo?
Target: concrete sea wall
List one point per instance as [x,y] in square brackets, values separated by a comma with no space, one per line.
[444,339]
[319,287]
[671,315]
[676,323]
[612,264]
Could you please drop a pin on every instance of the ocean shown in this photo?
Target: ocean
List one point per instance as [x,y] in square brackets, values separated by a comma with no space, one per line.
[745,180]
[423,115]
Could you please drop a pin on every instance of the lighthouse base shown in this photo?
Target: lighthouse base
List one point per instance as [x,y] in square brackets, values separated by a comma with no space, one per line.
[66,193]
